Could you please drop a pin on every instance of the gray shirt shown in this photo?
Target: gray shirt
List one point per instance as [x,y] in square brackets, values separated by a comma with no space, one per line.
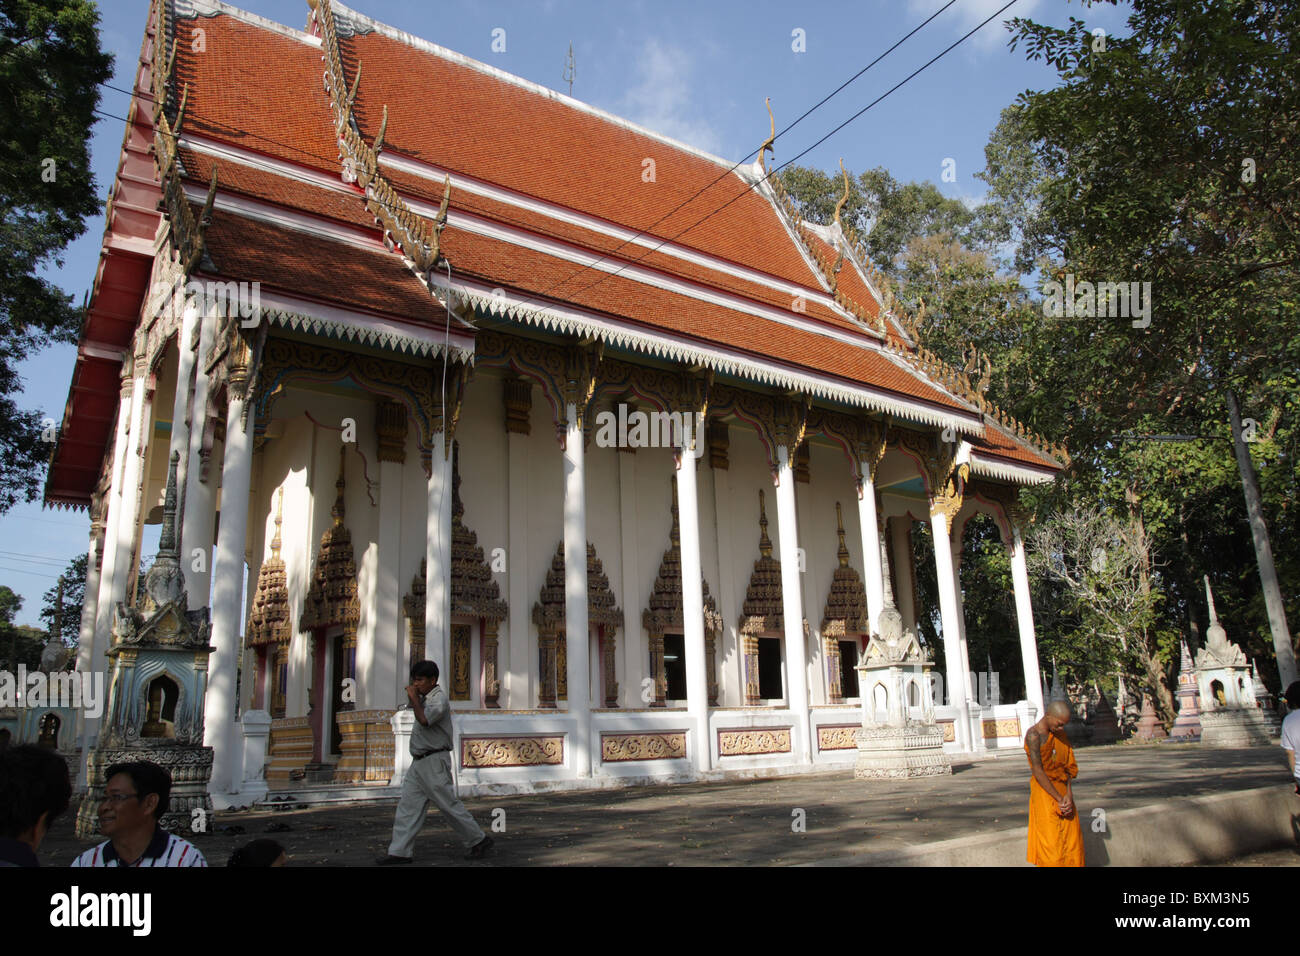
[437,736]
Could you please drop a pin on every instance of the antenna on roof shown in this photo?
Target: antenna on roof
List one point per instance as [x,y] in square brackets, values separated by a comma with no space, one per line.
[570,69]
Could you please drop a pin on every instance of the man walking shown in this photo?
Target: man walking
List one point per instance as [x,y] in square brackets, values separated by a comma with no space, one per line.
[429,778]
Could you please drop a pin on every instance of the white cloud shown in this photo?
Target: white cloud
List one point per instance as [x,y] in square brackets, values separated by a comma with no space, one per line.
[663,100]
[967,14]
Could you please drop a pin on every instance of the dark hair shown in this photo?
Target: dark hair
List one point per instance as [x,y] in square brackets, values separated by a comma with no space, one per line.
[33,781]
[424,669]
[147,778]
[1293,695]
[260,852]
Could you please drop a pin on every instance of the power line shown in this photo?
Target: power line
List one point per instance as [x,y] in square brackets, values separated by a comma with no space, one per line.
[855,116]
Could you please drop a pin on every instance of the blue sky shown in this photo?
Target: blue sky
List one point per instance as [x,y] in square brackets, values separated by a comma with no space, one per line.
[696,71]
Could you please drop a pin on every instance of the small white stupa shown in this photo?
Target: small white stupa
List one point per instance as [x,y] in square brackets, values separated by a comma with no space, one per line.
[1230,716]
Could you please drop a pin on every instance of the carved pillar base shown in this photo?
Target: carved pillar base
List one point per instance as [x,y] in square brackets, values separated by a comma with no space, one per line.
[752,696]
[491,683]
[657,670]
[546,688]
[610,642]
[711,666]
[834,682]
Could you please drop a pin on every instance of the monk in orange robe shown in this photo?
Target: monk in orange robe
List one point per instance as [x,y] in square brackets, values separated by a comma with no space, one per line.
[1055,837]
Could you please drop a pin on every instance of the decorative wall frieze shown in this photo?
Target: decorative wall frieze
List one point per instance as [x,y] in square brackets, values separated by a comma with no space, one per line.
[753,742]
[837,736]
[615,748]
[530,751]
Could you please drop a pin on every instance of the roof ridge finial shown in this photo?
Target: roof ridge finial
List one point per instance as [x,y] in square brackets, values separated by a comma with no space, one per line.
[839,522]
[764,542]
[767,143]
[840,205]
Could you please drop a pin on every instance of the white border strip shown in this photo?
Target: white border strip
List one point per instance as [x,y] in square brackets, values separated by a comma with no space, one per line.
[985,467]
[558,318]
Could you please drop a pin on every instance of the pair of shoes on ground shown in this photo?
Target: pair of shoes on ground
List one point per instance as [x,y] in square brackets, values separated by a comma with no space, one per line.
[476,852]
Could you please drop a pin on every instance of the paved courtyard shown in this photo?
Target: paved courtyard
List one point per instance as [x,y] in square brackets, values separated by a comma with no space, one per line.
[751,822]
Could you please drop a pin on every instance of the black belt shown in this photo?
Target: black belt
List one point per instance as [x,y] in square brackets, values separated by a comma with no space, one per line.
[441,750]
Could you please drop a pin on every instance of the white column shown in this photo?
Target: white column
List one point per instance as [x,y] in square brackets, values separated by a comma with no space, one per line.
[792,606]
[905,599]
[575,589]
[731,678]
[181,411]
[973,707]
[950,611]
[697,686]
[90,603]
[122,520]
[198,523]
[221,731]
[522,667]
[870,528]
[1025,623]
[387,668]
[437,554]
[635,653]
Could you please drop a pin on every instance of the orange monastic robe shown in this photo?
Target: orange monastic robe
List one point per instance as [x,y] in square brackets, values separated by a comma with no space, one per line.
[1054,840]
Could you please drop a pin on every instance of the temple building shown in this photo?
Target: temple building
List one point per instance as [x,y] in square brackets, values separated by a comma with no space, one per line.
[457,367]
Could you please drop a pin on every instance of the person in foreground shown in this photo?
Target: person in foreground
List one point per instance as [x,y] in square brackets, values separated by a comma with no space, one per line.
[136,796]
[429,778]
[1291,731]
[34,790]
[1055,837]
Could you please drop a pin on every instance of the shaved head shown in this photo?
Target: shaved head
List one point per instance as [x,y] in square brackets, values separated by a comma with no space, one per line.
[1059,708]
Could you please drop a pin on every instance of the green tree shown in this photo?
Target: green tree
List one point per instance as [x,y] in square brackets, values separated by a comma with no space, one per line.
[50,67]
[74,589]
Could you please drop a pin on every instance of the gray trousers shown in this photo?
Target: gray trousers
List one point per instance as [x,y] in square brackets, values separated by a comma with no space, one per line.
[430,781]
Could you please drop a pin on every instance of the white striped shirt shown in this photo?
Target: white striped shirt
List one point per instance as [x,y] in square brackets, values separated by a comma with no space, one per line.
[165,849]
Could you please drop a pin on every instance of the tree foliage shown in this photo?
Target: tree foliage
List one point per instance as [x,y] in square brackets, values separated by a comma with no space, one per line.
[50,67]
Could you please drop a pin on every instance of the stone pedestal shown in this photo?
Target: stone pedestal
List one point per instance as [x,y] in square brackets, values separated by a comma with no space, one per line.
[1234,727]
[255,726]
[914,750]
[402,722]
[899,737]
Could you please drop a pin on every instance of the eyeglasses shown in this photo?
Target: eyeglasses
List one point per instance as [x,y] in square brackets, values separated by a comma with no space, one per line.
[118,797]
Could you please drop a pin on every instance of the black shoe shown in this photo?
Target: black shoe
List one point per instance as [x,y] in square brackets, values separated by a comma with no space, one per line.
[390,860]
[479,849]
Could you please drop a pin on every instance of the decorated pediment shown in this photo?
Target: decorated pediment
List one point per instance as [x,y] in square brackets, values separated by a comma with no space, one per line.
[763,611]
[665,612]
[474,591]
[846,603]
[332,594]
[268,623]
[548,612]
